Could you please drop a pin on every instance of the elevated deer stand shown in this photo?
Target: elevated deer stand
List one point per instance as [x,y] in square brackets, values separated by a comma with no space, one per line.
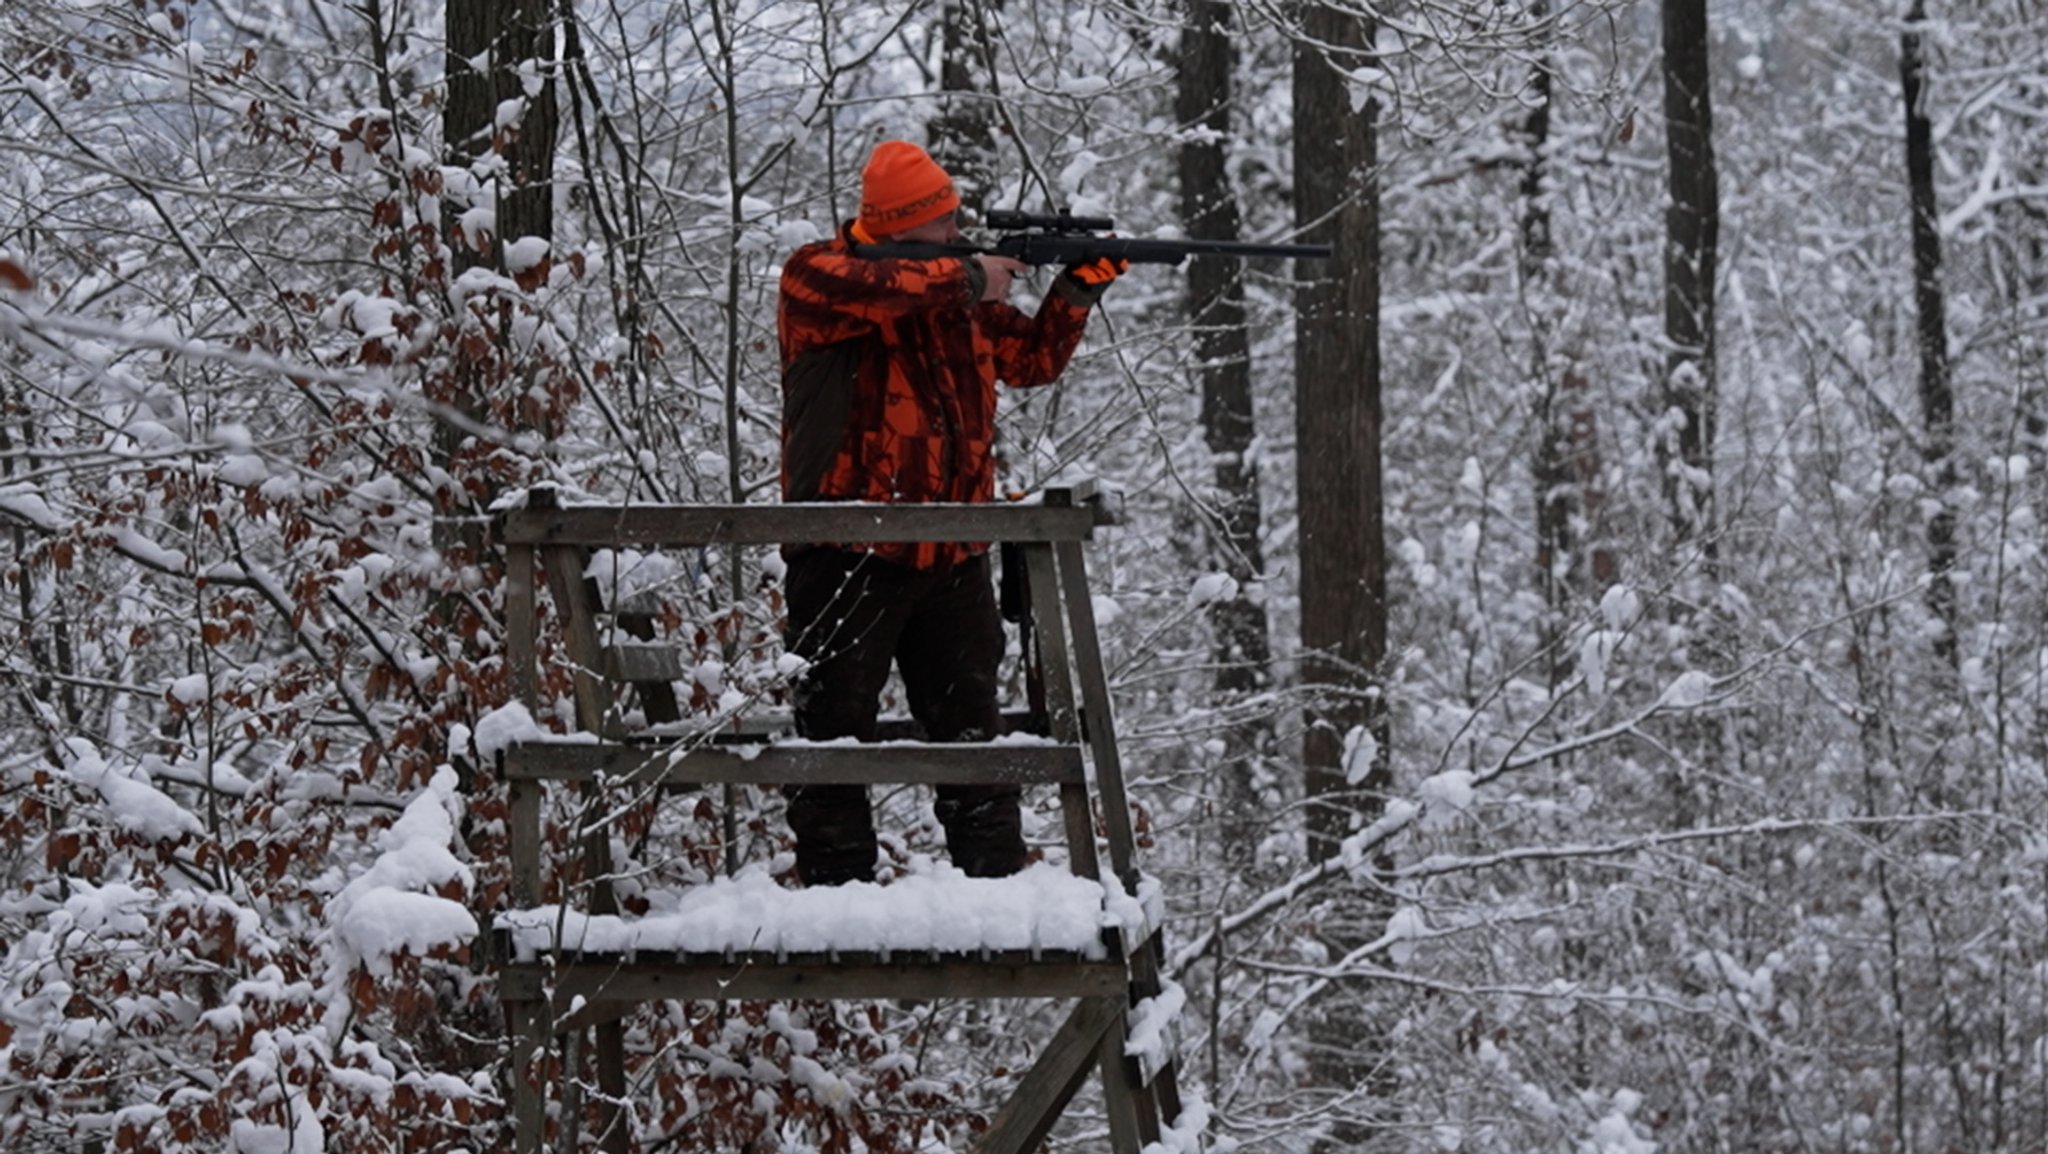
[552,991]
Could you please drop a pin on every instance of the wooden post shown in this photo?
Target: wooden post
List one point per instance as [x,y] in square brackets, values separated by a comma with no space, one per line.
[526,842]
[1164,1089]
[528,1019]
[529,1074]
[1048,623]
[1095,708]
[519,641]
[574,603]
[1132,1122]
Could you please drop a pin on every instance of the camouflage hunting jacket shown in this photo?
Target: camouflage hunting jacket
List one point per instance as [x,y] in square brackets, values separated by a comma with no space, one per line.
[889,371]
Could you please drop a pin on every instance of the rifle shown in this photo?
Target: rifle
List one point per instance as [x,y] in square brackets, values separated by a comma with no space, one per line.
[1062,238]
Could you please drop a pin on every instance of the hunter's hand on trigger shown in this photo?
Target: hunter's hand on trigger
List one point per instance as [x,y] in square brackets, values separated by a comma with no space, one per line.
[1100,271]
[1000,271]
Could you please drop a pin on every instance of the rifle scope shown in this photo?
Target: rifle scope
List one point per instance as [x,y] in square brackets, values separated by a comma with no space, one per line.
[1006,219]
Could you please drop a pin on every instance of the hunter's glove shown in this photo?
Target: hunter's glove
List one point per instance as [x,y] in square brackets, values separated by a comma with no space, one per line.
[1100,271]
[1084,282]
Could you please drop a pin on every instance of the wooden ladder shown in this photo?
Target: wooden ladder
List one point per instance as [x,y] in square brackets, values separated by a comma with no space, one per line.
[559,993]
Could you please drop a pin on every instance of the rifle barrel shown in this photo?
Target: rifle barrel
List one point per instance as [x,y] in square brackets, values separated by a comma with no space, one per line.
[1146,250]
[1051,248]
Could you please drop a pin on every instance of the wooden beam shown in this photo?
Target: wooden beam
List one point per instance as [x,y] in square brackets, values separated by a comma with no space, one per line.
[519,623]
[644,661]
[1095,708]
[1133,1112]
[843,523]
[907,763]
[615,1130]
[760,726]
[1049,626]
[1023,1122]
[529,1074]
[600,978]
[1158,1090]
[576,604]
[525,838]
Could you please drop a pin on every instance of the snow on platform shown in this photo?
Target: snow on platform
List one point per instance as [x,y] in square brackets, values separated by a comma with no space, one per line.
[936,908]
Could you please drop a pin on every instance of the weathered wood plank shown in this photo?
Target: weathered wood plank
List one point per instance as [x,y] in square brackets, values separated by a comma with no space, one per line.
[644,661]
[1133,1111]
[844,523]
[1095,707]
[760,726]
[1049,625]
[519,625]
[1158,1089]
[529,1092]
[600,979]
[907,763]
[525,840]
[576,604]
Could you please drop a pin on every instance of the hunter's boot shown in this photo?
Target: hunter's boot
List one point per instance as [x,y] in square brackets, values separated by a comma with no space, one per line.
[835,834]
[984,829]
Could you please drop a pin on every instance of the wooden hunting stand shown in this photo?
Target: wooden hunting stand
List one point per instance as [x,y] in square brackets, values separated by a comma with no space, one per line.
[562,992]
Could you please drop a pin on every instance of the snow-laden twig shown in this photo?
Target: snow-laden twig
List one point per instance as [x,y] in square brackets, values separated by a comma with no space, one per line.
[1400,815]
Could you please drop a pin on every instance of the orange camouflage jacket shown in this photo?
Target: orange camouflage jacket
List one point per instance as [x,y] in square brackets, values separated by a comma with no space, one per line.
[889,371]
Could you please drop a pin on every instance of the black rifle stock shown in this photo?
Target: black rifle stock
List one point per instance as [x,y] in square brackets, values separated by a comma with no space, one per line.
[1064,239]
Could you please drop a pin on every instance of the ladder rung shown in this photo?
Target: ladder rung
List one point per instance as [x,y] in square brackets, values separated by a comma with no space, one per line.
[883,763]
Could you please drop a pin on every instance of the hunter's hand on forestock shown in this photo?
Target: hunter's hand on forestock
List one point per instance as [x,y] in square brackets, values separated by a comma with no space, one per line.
[1098,273]
[1084,281]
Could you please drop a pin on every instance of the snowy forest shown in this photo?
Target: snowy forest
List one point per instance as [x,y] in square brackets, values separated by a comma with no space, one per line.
[1581,653]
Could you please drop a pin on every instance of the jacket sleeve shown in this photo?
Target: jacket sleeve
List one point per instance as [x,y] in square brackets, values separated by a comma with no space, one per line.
[836,290]
[1033,350]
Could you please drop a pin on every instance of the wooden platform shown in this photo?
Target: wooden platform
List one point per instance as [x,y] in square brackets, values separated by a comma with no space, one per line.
[566,971]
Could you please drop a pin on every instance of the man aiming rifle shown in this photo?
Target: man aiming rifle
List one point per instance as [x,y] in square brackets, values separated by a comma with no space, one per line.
[893,334]
[889,371]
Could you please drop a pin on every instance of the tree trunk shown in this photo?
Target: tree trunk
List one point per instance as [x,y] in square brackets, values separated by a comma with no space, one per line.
[1343,553]
[471,105]
[1240,641]
[1692,232]
[1555,507]
[963,134]
[1937,398]
[516,41]
[466,129]
[525,51]
[1337,426]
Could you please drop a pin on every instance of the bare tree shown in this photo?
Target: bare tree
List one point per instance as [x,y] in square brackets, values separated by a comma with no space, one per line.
[963,133]
[1937,398]
[1240,641]
[1343,551]
[507,110]
[1691,250]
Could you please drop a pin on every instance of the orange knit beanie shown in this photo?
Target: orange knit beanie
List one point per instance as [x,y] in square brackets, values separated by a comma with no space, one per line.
[903,187]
